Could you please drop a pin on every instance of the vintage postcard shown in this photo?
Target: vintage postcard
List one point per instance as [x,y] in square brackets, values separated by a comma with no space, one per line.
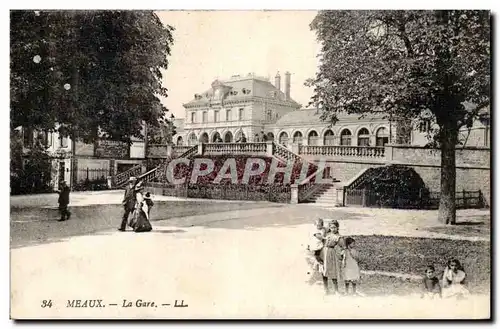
[284,164]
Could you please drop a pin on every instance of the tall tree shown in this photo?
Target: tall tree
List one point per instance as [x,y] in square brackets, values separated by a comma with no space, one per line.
[93,72]
[403,63]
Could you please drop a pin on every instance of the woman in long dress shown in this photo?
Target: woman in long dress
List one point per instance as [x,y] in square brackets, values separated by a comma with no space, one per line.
[332,252]
[140,218]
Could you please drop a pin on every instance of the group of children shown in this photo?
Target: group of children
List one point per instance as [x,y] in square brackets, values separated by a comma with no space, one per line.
[452,283]
[343,256]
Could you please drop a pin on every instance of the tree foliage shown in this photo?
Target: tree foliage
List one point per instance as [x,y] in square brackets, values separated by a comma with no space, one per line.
[111,61]
[403,63]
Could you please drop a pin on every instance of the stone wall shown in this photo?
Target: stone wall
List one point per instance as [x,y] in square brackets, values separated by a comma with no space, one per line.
[473,167]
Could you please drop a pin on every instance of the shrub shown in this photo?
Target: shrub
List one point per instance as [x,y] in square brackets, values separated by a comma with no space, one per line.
[395,186]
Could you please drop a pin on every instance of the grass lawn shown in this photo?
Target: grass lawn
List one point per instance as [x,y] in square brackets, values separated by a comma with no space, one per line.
[411,256]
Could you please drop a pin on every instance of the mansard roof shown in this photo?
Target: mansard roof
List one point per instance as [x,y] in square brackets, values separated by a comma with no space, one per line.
[240,88]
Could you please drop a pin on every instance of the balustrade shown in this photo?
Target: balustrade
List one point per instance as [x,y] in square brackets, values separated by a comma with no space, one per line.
[343,151]
[235,148]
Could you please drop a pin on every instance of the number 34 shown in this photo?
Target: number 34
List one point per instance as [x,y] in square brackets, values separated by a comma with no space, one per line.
[46,303]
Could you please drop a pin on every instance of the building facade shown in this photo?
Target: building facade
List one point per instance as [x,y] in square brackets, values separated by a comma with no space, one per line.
[251,106]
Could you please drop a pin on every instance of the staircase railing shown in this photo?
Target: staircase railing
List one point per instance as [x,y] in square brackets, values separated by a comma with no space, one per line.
[359,180]
[122,178]
[308,188]
[285,154]
[151,175]
[191,151]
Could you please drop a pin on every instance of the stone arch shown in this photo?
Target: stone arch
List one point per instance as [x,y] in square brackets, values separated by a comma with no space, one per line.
[345,137]
[312,137]
[192,139]
[203,138]
[328,137]
[228,137]
[283,138]
[363,136]
[180,141]
[381,136]
[297,137]
[215,137]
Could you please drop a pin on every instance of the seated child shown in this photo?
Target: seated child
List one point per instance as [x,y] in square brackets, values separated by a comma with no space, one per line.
[454,280]
[431,286]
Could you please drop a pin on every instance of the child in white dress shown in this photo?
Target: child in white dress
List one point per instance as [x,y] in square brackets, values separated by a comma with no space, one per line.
[454,280]
[316,243]
[350,267]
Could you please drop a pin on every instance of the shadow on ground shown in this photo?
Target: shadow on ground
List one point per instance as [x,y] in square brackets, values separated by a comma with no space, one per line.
[31,226]
[476,226]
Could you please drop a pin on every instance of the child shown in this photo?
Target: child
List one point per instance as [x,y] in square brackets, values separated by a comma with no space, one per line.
[350,266]
[316,243]
[454,280]
[63,202]
[431,286]
[149,202]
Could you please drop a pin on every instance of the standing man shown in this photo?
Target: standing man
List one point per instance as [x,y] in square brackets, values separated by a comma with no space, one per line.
[128,202]
[64,202]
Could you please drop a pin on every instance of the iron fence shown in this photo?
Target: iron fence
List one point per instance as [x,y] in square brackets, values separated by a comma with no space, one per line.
[418,199]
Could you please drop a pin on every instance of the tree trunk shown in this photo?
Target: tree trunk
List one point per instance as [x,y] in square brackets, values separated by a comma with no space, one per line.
[447,207]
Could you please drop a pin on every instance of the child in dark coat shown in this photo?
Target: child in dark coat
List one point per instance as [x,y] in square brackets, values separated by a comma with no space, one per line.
[64,202]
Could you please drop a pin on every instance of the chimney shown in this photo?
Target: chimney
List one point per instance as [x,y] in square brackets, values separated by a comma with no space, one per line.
[287,85]
[277,81]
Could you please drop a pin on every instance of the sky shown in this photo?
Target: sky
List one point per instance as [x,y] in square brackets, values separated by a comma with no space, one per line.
[211,45]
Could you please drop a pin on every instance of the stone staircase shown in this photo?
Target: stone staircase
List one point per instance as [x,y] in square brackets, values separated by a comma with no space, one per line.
[327,196]
[310,192]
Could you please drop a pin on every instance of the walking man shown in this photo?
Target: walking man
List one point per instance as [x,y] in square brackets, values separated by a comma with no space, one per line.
[64,202]
[128,202]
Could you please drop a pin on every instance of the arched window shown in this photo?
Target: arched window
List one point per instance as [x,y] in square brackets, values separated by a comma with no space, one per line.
[382,136]
[297,138]
[363,137]
[240,136]
[228,137]
[216,138]
[345,137]
[192,139]
[270,136]
[204,138]
[180,141]
[312,139]
[283,139]
[328,137]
